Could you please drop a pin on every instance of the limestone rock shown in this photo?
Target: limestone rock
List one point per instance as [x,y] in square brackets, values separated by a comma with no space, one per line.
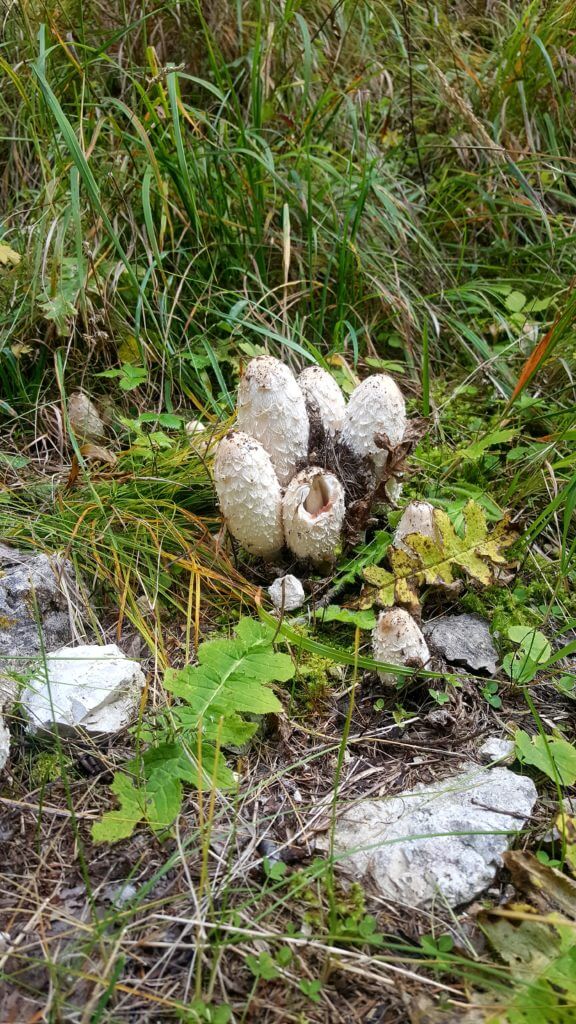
[436,842]
[89,687]
[287,592]
[496,748]
[34,609]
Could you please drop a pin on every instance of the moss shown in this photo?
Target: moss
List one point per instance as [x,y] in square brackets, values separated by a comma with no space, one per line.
[47,767]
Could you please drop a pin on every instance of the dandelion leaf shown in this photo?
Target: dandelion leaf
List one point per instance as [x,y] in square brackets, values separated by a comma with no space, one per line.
[438,560]
[120,823]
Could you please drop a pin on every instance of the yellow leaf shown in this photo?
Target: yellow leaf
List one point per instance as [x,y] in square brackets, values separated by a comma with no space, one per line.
[8,257]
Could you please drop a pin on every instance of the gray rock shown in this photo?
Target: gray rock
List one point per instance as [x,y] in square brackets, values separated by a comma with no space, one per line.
[463,640]
[34,609]
[496,748]
[287,592]
[93,688]
[442,841]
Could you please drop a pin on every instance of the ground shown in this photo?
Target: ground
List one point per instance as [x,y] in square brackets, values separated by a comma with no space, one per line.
[376,188]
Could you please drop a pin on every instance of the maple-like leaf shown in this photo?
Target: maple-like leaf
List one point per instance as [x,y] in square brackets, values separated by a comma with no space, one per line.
[438,560]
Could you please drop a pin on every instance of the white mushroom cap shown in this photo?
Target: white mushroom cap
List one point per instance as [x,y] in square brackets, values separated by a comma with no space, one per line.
[249,494]
[418,517]
[287,592]
[398,640]
[271,408]
[375,407]
[319,386]
[313,513]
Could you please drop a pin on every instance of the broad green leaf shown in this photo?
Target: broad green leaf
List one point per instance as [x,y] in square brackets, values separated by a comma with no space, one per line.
[553,755]
[475,450]
[120,824]
[333,613]
[533,643]
[515,301]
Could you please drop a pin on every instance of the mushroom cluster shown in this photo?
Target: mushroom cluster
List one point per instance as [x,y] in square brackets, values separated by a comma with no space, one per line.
[303,468]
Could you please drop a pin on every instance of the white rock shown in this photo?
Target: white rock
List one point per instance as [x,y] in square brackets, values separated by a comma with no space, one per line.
[4,743]
[313,514]
[287,592]
[84,417]
[436,842]
[495,748]
[249,494]
[87,687]
[398,640]
[320,388]
[418,517]
[375,407]
[271,408]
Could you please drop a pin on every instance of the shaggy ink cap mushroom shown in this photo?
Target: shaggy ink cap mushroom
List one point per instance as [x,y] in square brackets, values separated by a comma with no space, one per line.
[313,514]
[249,494]
[376,408]
[398,640]
[418,517]
[321,390]
[271,408]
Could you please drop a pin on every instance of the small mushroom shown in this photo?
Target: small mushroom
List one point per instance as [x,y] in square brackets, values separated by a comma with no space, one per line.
[287,593]
[84,418]
[321,390]
[249,494]
[313,513]
[271,408]
[376,411]
[398,640]
[418,517]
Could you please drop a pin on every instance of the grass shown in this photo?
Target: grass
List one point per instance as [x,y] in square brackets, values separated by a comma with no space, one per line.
[364,185]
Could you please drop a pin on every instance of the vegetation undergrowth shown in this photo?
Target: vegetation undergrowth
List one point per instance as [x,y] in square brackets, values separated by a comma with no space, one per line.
[375,188]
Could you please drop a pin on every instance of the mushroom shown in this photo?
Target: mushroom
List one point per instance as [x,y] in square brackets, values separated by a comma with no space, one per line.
[271,408]
[376,410]
[418,517]
[249,494]
[313,513]
[84,418]
[321,392]
[398,640]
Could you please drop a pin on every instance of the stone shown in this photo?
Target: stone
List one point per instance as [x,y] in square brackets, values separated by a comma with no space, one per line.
[496,748]
[4,743]
[441,842]
[35,610]
[287,592]
[463,640]
[92,688]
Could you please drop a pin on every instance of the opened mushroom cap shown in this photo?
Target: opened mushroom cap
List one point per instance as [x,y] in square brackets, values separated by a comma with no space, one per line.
[313,513]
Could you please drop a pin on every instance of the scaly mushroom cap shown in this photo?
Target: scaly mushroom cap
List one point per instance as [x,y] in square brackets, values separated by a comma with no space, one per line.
[398,640]
[313,513]
[418,517]
[271,408]
[375,407]
[320,388]
[249,494]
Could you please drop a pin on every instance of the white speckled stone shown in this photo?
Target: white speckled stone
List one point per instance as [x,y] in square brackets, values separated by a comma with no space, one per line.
[287,592]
